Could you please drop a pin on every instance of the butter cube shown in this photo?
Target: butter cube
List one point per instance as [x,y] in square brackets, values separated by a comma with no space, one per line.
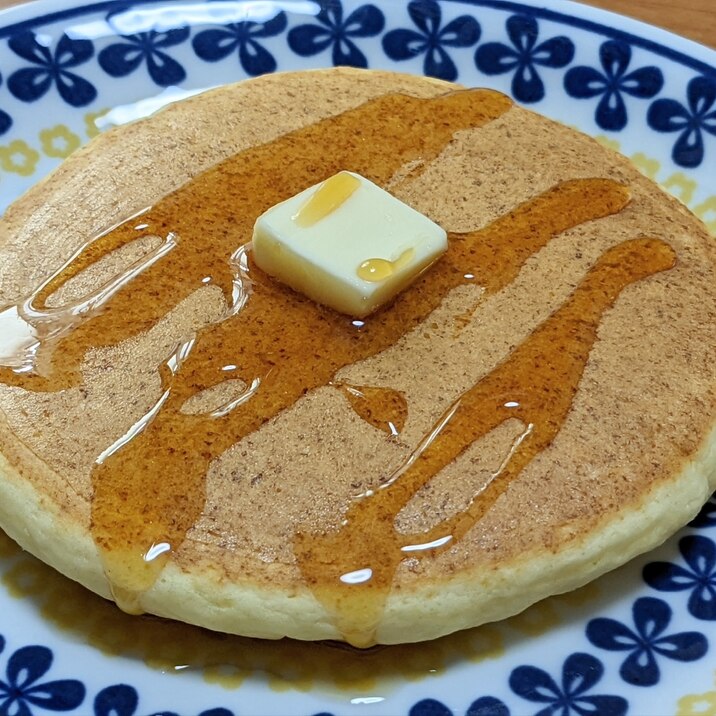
[346,243]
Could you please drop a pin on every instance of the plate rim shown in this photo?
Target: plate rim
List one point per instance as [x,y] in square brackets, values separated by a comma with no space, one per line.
[585,17]
[544,11]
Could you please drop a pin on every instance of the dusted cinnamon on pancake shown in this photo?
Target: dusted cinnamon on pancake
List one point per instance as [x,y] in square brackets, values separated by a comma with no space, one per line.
[192,438]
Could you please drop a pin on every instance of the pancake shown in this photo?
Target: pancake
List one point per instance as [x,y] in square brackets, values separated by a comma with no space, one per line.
[188,437]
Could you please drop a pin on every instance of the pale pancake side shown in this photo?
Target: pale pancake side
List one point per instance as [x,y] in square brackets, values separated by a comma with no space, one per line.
[634,461]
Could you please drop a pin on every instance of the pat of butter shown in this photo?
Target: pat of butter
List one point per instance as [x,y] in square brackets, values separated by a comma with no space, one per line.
[346,243]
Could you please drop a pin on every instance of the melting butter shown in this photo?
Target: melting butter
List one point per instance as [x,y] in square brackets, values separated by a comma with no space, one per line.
[340,225]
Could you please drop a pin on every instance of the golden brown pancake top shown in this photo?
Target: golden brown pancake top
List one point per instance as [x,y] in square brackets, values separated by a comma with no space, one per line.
[562,353]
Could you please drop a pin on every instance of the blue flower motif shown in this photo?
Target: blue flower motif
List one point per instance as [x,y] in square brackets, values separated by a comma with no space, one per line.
[707,515]
[21,691]
[122,700]
[117,700]
[122,58]
[429,707]
[463,31]
[487,706]
[495,58]
[700,555]
[5,118]
[651,617]
[30,83]
[586,83]
[216,44]
[580,673]
[364,21]
[210,712]
[699,116]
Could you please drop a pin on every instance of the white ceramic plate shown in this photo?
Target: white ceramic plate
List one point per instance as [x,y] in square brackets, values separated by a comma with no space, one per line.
[641,640]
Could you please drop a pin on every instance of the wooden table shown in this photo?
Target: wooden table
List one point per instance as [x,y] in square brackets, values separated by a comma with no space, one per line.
[695,19]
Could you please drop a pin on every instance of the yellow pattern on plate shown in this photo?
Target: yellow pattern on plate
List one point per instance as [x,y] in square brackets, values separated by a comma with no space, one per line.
[58,142]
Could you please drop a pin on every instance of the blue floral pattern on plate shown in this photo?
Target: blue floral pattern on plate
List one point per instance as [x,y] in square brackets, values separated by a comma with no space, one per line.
[611,83]
[527,52]
[5,118]
[698,577]
[122,58]
[691,120]
[51,67]
[337,32]
[242,37]
[431,38]
[622,80]
[706,516]
[487,706]
[123,700]
[646,641]
[20,690]
[484,706]
[580,673]
[523,56]
[429,707]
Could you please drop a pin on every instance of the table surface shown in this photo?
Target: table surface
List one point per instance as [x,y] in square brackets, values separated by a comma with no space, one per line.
[695,19]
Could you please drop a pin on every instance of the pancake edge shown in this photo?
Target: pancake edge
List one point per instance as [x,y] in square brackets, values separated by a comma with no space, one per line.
[431,610]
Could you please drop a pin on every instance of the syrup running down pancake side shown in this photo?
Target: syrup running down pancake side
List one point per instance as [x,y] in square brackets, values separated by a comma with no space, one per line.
[272,347]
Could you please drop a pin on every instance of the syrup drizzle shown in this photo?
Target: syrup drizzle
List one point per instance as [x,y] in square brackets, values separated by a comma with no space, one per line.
[383,408]
[375,270]
[214,214]
[149,491]
[274,339]
[535,384]
[327,198]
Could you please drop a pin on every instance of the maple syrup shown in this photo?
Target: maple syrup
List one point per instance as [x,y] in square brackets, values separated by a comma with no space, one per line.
[148,489]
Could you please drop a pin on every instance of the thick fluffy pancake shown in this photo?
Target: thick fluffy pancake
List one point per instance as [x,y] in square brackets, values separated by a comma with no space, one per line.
[632,460]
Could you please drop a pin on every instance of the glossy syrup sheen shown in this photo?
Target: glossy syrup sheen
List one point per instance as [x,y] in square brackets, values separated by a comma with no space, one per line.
[380,269]
[149,491]
[329,196]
